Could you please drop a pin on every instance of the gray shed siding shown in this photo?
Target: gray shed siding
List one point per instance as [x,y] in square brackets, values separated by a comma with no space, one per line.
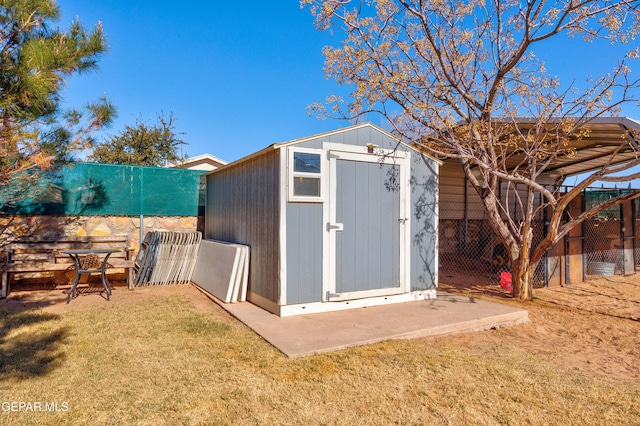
[303,247]
[359,137]
[304,253]
[243,207]
[424,222]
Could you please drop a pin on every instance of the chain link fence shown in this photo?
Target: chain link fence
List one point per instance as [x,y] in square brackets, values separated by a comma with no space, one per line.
[481,257]
[609,244]
[471,253]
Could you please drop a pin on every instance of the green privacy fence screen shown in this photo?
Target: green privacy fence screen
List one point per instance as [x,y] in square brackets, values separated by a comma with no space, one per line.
[109,190]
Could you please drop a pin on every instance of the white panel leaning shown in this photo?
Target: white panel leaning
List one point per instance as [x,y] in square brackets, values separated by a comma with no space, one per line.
[222,269]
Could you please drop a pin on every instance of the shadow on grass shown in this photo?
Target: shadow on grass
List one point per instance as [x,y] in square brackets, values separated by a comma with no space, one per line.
[29,344]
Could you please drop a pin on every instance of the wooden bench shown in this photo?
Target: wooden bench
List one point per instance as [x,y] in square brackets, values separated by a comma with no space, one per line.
[44,255]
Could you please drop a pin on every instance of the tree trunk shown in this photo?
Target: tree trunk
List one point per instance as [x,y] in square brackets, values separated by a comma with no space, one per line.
[522,278]
[521,267]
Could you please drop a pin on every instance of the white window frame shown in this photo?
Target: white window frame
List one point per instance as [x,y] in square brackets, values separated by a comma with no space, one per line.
[292,174]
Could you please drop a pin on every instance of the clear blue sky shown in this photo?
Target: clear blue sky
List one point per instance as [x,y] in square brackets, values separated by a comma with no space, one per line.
[237,76]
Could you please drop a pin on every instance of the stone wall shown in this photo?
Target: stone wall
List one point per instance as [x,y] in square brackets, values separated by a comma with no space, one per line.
[57,226]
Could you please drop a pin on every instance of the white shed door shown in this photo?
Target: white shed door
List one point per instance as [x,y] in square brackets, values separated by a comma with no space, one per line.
[368,226]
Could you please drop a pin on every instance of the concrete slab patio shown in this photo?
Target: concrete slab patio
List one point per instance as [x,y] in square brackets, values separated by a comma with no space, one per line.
[309,334]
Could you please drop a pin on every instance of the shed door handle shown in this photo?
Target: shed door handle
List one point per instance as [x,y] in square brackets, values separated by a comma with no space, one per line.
[335,227]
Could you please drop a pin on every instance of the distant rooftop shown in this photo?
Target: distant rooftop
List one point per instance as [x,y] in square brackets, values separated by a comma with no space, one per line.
[206,162]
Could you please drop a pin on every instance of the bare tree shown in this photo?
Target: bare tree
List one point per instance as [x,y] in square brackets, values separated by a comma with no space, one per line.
[457,78]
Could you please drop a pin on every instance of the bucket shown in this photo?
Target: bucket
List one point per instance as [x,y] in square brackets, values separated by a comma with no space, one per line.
[604,269]
[505,281]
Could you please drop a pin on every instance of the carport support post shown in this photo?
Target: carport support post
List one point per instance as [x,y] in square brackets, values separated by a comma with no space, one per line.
[545,258]
[584,237]
[627,235]
[634,230]
[466,217]
[141,207]
[622,234]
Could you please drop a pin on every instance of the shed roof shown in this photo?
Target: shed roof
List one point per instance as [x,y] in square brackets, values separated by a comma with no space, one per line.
[317,136]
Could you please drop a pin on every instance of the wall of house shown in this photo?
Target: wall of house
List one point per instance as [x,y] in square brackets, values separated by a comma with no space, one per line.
[243,207]
[454,193]
[463,226]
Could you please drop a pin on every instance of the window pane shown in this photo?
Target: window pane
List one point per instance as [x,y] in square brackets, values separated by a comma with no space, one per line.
[305,162]
[306,187]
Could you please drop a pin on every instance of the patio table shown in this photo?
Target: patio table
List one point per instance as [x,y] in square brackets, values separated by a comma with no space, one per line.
[87,261]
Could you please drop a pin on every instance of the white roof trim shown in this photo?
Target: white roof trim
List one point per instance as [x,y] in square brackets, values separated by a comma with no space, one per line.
[318,136]
[195,159]
[354,127]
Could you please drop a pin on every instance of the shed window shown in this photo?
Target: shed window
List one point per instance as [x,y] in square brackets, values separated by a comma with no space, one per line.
[305,162]
[305,175]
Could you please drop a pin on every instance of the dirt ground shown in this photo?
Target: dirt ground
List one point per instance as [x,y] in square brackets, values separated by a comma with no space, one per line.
[594,326]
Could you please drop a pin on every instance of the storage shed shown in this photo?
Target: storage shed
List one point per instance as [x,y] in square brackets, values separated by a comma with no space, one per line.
[338,220]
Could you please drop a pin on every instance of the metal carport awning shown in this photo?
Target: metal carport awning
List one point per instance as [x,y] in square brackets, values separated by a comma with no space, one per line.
[594,149]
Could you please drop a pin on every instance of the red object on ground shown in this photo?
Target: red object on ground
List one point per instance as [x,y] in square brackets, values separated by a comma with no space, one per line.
[505,281]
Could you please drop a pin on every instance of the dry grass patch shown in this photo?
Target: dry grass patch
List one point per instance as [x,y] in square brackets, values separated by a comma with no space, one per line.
[160,361]
[615,296]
